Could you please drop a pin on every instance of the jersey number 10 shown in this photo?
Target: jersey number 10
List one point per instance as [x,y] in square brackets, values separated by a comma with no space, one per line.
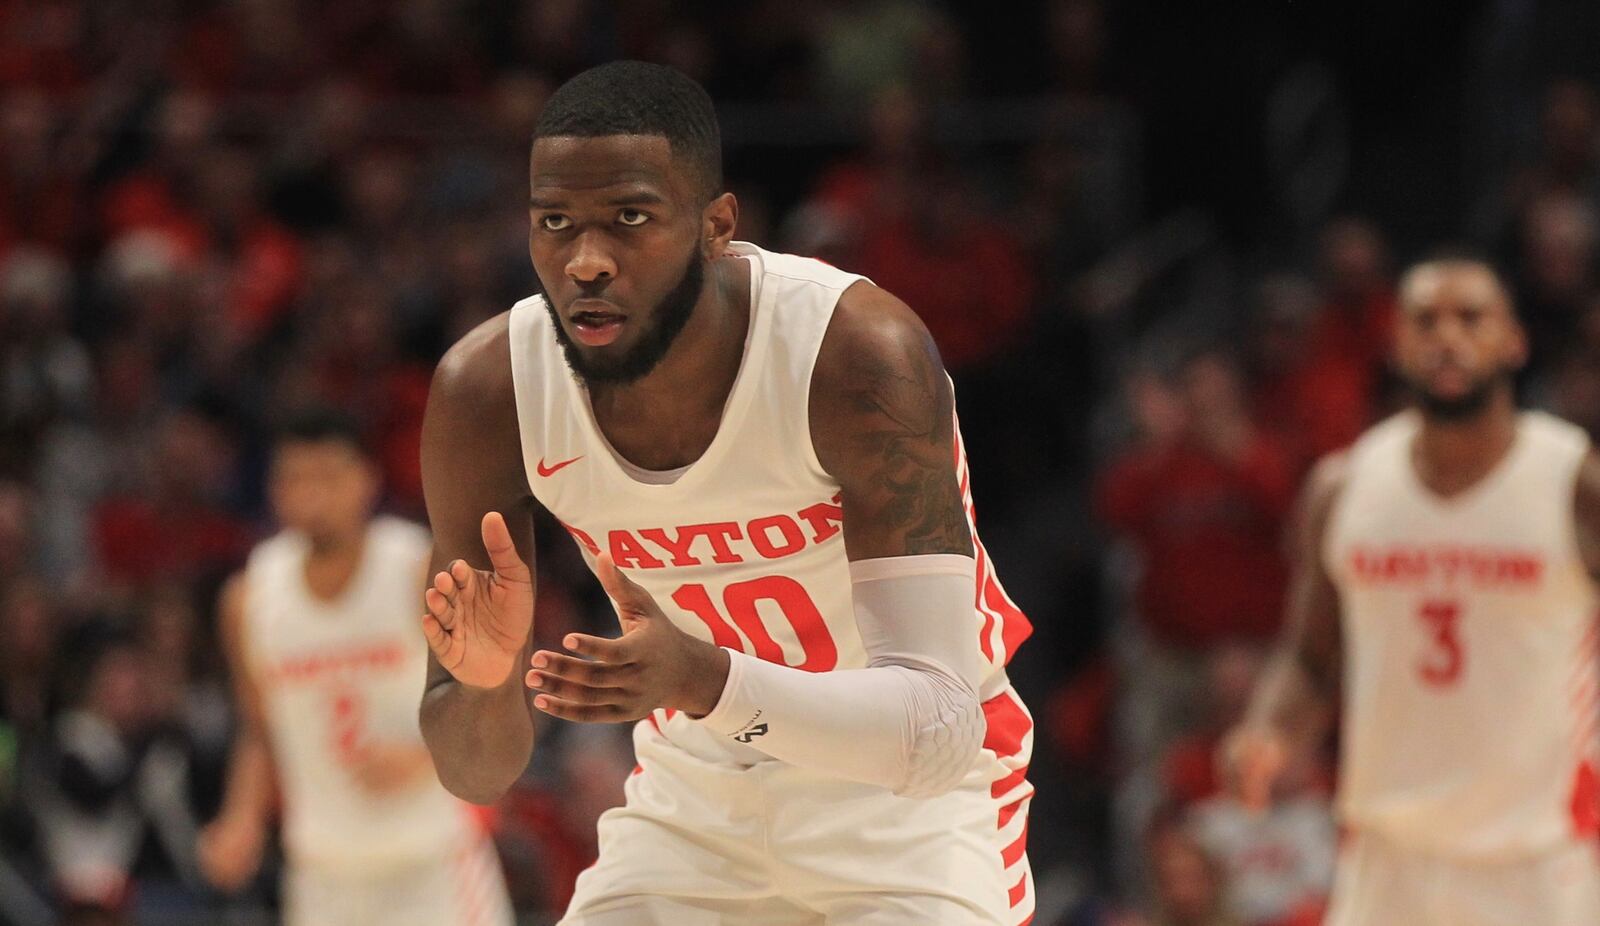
[740,599]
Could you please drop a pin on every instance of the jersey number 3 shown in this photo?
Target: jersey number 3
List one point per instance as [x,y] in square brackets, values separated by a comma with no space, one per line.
[1441,665]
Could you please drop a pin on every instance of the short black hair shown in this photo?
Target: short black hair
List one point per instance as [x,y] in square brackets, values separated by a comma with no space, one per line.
[316,425]
[639,98]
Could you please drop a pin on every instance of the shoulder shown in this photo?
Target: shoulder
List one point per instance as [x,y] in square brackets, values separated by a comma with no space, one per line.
[1322,490]
[872,336]
[477,368]
[231,600]
[400,537]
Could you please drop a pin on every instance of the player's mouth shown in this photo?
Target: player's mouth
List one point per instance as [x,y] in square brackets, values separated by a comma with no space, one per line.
[597,327]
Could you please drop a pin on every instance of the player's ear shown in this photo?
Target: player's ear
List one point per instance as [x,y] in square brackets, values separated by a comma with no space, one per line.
[717,223]
[1518,348]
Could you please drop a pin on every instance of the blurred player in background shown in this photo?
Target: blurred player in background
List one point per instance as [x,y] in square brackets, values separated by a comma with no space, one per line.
[767,447]
[325,659]
[1445,590]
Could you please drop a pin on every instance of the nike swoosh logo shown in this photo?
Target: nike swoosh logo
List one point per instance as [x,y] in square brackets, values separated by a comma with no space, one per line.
[551,470]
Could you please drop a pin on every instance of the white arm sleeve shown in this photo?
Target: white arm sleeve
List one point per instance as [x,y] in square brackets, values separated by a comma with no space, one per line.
[910,721]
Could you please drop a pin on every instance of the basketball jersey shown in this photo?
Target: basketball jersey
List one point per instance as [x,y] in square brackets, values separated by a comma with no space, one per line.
[1469,641]
[744,547]
[335,675]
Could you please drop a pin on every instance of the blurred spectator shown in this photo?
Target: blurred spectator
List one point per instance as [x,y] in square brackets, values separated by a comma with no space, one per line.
[1555,277]
[176,527]
[1189,883]
[111,799]
[869,45]
[27,656]
[44,371]
[1202,499]
[1565,162]
[1320,357]
[1278,863]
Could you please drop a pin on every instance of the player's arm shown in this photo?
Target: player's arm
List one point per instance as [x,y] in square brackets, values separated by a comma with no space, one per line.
[1301,684]
[1586,512]
[475,716]
[883,427]
[230,846]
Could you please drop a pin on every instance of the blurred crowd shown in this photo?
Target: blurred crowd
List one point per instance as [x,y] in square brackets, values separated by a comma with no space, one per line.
[213,212]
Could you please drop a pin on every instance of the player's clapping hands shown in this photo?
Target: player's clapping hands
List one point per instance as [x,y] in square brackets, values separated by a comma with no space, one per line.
[653,664]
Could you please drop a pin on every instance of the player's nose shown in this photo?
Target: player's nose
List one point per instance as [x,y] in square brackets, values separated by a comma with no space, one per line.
[590,262]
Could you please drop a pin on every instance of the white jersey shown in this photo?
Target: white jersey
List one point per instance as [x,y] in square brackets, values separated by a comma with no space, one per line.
[335,676]
[743,548]
[1469,638]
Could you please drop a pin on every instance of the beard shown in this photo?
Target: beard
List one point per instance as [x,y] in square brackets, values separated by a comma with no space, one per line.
[671,314]
[1463,407]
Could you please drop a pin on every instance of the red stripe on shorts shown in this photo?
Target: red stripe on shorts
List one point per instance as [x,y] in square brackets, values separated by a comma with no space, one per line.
[1013,853]
[1017,892]
[1008,812]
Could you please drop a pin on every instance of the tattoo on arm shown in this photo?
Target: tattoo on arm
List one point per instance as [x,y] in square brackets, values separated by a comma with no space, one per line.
[905,445]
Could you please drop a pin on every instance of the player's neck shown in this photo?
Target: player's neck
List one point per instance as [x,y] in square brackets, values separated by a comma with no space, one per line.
[676,408]
[1451,456]
[332,561]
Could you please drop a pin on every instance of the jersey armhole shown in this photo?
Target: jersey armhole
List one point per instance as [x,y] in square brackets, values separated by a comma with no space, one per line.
[809,379]
[524,388]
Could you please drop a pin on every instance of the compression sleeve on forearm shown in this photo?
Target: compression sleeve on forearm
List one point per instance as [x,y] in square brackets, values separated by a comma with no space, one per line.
[910,721]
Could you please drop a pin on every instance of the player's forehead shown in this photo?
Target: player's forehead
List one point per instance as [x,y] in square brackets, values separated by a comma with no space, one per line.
[565,167]
[1452,287]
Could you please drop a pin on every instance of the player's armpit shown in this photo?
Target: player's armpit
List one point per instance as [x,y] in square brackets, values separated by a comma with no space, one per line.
[882,424]
[1586,512]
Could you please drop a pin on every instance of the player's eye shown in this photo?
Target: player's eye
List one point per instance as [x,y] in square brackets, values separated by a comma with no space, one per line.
[632,218]
[555,223]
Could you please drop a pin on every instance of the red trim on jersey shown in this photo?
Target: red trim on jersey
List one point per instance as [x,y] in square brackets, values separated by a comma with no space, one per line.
[1003,786]
[992,600]
[1013,853]
[1009,811]
[1008,724]
[1017,893]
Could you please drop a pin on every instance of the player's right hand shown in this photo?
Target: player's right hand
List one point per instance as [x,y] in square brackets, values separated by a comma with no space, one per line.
[477,620]
[229,851]
[1253,757]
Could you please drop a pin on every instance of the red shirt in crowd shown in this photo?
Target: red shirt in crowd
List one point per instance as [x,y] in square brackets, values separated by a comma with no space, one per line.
[1209,531]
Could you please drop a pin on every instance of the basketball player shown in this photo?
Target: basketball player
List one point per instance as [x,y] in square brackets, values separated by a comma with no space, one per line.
[1445,586]
[325,660]
[758,456]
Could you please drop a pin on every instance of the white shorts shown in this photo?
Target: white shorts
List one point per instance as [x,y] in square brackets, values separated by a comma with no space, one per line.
[466,888]
[706,844]
[1380,884]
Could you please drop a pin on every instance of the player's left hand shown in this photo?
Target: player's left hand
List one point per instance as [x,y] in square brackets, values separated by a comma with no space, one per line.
[653,664]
